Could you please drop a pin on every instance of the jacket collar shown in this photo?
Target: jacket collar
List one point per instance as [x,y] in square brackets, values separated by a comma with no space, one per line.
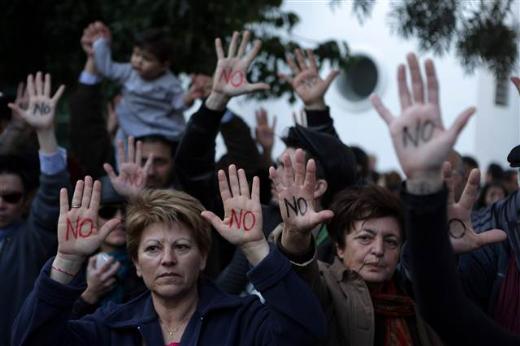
[141,310]
[341,273]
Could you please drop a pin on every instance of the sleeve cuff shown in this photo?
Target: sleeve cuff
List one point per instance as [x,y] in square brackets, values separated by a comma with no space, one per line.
[88,78]
[56,293]
[51,164]
[228,116]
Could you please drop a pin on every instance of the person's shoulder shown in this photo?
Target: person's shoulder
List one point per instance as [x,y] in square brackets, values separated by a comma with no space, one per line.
[136,311]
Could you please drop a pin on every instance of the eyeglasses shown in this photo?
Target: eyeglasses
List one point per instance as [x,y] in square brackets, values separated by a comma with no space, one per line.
[12,197]
[108,211]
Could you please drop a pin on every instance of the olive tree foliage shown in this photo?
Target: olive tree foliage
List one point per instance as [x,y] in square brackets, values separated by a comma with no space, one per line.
[481,33]
[44,35]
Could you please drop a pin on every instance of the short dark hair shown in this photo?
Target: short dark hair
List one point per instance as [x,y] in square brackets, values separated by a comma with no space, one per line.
[20,166]
[161,139]
[155,41]
[470,161]
[361,203]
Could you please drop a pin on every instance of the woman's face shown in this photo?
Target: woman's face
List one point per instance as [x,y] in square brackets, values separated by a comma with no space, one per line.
[372,248]
[169,260]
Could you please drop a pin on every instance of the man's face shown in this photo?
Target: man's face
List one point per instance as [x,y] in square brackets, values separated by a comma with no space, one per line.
[372,248]
[11,198]
[160,173]
[146,64]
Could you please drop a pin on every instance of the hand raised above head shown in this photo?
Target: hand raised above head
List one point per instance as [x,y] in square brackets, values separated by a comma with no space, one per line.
[230,77]
[41,107]
[78,233]
[306,80]
[295,187]
[242,223]
[420,140]
[132,172]
[463,237]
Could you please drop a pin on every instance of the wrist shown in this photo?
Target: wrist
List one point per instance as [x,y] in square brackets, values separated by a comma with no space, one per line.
[89,297]
[47,140]
[295,242]
[90,67]
[217,101]
[255,251]
[316,105]
[424,183]
[65,267]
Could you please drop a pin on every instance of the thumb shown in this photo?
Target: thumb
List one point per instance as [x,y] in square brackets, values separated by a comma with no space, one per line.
[15,108]
[491,237]
[108,227]
[324,215]
[110,171]
[214,220]
[257,87]
[460,123]
[330,78]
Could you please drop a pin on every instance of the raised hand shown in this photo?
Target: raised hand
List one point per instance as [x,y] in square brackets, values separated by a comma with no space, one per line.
[264,132]
[41,106]
[306,80]
[78,234]
[420,140]
[295,188]
[132,173]
[230,77]
[462,236]
[242,223]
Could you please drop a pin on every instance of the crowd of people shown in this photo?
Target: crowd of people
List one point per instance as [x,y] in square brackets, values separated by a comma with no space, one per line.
[136,235]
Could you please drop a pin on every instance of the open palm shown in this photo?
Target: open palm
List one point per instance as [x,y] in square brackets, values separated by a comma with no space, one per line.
[78,235]
[230,77]
[463,237]
[420,140]
[242,221]
[133,174]
[306,80]
[295,190]
[41,106]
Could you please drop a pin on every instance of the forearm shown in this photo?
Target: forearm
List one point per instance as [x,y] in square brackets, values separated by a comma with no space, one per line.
[320,120]
[255,252]
[47,140]
[65,267]
[45,316]
[294,242]
[295,315]
[441,301]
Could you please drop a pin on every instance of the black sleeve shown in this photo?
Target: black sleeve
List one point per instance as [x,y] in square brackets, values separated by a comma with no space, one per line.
[320,120]
[196,173]
[241,147]
[90,141]
[195,158]
[82,308]
[437,288]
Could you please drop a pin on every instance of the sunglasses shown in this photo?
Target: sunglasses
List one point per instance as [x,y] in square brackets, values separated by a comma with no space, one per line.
[108,211]
[12,197]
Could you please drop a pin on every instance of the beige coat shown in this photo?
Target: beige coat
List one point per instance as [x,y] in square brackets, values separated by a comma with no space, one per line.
[347,304]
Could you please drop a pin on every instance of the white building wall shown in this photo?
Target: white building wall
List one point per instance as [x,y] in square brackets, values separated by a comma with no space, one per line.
[484,137]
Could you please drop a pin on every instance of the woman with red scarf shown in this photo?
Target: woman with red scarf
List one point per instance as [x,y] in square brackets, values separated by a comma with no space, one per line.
[361,292]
